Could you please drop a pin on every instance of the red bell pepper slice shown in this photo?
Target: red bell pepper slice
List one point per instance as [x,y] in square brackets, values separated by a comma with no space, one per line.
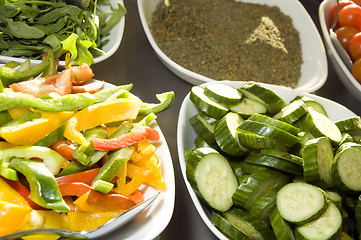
[137,134]
[137,197]
[112,201]
[74,189]
[86,177]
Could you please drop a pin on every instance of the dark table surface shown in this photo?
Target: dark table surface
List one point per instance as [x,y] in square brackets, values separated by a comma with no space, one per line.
[136,62]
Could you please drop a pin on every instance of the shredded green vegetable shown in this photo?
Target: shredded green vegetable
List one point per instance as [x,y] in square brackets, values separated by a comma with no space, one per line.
[28,27]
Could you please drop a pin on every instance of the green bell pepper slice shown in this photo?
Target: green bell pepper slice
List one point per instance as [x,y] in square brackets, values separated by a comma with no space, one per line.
[44,189]
[166,99]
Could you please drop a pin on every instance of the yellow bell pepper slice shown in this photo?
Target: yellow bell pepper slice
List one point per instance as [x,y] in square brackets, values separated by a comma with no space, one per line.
[82,221]
[12,217]
[102,113]
[30,132]
[17,112]
[5,145]
[14,210]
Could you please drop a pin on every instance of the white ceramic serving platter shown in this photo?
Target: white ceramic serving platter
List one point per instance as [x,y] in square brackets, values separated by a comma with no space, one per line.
[115,38]
[151,223]
[342,71]
[186,135]
[314,68]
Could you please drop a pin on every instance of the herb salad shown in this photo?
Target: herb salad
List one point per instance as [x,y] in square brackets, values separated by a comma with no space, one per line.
[28,28]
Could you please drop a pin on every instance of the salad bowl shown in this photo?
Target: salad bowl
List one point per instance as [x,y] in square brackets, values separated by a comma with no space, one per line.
[313,70]
[114,39]
[186,136]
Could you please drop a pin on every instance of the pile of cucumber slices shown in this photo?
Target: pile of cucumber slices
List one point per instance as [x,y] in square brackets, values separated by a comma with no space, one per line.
[271,170]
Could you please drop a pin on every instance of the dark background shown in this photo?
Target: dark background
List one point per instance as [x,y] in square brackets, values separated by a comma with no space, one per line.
[136,62]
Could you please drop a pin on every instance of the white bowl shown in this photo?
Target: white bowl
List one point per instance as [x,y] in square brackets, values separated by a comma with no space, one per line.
[314,68]
[342,71]
[115,37]
[186,135]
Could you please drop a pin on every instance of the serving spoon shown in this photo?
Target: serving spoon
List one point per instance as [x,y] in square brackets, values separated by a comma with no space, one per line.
[107,227]
[337,44]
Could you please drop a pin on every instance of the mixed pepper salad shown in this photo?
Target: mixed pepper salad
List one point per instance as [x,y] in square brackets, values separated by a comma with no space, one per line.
[73,154]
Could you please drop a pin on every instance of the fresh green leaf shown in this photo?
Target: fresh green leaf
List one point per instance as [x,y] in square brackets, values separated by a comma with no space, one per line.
[69,44]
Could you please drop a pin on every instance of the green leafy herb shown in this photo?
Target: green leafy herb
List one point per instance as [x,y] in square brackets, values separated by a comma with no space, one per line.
[29,27]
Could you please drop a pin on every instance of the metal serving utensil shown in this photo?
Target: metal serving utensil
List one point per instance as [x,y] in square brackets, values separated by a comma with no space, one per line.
[336,43]
[107,227]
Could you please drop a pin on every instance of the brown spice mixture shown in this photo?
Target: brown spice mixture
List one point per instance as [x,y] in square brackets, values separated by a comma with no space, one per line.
[223,39]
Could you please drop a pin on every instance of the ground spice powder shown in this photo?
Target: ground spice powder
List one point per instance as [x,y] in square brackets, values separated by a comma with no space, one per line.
[230,40]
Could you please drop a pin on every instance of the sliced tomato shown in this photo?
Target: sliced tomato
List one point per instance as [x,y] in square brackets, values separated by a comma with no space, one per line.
[34,87]
[81,73]
[64,84]
[137,134]
[137,196]
[90,86]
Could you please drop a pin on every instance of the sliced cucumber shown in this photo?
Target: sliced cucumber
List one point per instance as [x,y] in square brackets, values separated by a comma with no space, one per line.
[327,226]
[248,224]
[300,203]
[275,123]
[319,125]
[292,112]
[250,168]
[346,169]
[256,184]
[274,163]
[349,124]
[212,176]
[222,93]
[317,161]
[204,129]
[247,107]
[200,142]
[282,155]
[313,104]
[207,105]
[264,205]
[280,227]
[228,229]
[358,215]
[226,135]
[256,141]
[269,131]
[271,100]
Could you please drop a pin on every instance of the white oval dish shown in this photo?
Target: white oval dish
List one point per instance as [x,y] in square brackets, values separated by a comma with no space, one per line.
[342,71]
[115,38]
[314,68]
[186,135]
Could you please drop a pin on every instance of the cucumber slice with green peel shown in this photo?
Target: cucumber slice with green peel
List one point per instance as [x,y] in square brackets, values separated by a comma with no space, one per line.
[327,226]
[349,124]
[207,105]
[250,168]
[210,174]
[204,129]
[271,100]
[317,161]
[282,155]
[222,93]
[264,205]
[334,197]
[292,112]
[348,145]
[298,147]
[248,224]
[313,104]
[358,215]
[346,169]
[300,203]
[256,141]
[275,123]
[280,227]
[319,125]
[199,142]
[226,135]
[269,131]
[345,236]
[346,137]
[256,184]
[274,163]
[227,228]
[247,107]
